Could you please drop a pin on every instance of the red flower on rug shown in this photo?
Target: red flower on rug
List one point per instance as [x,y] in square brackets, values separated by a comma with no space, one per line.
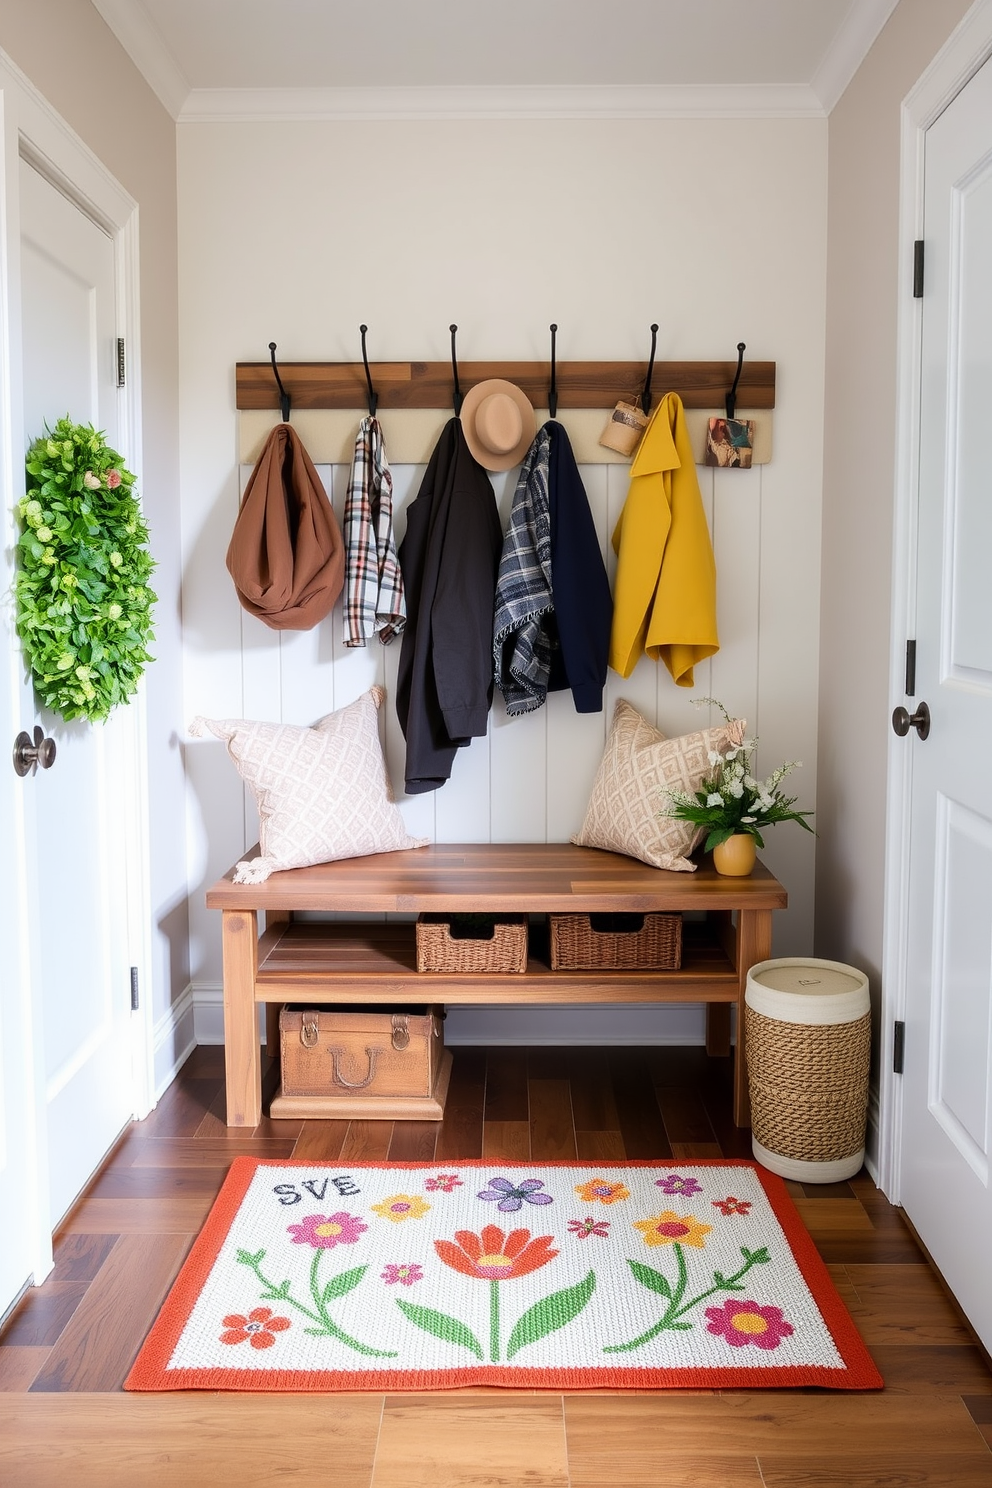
[324,1231]
[494,1256]
[443,1183]
[744,1323]
[258,1328]
[730,1205]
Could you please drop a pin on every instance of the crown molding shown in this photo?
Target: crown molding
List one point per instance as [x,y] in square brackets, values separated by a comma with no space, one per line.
[849,49]
[633,101]
[141,39]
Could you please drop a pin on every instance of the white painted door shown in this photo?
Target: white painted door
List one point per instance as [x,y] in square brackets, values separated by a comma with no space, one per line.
[76,848]
[947,1090]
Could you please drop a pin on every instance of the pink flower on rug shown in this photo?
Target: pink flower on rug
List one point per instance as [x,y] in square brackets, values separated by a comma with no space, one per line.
[589,1226]
[443,1183]
[730,1205]
[673,1183]
[406,1274]
[324,1231]
[258,1328]
[744,1323]
[494,1256]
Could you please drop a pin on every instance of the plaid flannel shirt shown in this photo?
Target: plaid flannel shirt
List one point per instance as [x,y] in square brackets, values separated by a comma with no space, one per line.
[373,593]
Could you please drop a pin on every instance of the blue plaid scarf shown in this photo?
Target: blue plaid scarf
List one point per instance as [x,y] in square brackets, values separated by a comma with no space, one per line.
[524,627]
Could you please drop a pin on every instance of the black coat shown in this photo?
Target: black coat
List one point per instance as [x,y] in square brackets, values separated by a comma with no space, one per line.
[449,558]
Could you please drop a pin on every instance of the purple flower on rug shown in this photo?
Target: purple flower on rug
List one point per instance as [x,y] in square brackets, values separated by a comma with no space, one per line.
[672,1183]
[324,1231]
[589,1226]
[744,1323]
[443,1183]
[509,1196]
[406,1274]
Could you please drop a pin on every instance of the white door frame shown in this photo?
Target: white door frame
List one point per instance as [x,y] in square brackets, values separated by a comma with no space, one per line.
[968,47]
[31,129]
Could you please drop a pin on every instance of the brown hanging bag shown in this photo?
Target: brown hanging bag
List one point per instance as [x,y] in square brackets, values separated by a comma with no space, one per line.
[286,555]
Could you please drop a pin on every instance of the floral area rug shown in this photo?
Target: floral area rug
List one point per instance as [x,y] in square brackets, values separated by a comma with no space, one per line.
[564,1276]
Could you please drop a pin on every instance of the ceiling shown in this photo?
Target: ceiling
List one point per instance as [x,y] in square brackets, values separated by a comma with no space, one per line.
[248,58]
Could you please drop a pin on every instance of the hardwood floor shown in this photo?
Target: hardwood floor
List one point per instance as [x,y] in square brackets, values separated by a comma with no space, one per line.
[65,1351]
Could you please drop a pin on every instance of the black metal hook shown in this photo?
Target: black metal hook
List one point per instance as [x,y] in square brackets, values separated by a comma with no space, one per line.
[553,389]
[283,395]
[373,395]
[457,395]
[732,394]
[646,398]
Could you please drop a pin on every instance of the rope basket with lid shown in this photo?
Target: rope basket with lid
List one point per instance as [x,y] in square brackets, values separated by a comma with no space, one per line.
[808,1042]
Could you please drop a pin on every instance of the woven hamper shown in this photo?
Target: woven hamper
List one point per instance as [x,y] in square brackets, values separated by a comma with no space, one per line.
[808,1042]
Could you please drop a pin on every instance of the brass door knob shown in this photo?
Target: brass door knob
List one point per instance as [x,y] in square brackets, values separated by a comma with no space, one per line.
[30,753]
[902,721]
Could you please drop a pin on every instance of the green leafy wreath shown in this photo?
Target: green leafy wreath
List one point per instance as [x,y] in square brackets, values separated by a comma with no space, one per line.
[82,595]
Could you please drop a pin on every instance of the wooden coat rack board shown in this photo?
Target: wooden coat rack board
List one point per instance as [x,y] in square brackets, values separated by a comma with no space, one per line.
[342,385]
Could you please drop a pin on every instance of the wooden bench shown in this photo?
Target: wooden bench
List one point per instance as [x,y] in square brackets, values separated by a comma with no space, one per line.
[374,961]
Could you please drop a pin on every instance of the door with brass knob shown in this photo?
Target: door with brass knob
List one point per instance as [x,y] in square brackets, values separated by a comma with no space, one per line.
[30,753]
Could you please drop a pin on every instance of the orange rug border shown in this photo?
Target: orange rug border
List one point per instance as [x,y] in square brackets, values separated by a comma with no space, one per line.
[150,1373]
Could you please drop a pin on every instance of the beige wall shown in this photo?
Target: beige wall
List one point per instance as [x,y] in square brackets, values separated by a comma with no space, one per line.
[73,59]
[863,251]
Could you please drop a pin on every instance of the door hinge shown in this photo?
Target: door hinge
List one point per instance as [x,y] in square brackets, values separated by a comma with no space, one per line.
[910,668]
[134,989]
[121,366]
[898,1047]
[918,269]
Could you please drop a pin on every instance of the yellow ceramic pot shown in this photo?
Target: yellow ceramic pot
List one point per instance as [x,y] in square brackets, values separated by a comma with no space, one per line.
[735,857]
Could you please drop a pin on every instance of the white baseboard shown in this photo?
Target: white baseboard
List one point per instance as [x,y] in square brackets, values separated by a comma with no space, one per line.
[623,1024]
[872,1135]
[174,1040]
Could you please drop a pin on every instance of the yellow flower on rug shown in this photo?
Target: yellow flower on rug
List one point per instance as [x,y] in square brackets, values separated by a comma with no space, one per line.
[599,1190]
[669,1228]
[401,1206]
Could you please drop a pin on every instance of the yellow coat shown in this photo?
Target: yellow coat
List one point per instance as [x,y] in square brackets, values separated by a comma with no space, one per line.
[664,600]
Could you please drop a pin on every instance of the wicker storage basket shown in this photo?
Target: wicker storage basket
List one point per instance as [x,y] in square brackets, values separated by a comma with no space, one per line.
[472,943]
[587,942]
[808,1041]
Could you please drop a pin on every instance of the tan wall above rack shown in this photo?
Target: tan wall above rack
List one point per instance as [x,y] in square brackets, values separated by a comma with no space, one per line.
[429,384]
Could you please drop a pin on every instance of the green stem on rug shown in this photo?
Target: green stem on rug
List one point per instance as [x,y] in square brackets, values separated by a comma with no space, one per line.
[494,1321]
[655,1282]
[338,1286]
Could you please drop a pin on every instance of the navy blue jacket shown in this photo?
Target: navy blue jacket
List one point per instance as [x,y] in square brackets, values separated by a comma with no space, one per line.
[579,582]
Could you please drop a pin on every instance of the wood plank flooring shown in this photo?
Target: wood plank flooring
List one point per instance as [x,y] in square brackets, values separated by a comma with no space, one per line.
[66,1349]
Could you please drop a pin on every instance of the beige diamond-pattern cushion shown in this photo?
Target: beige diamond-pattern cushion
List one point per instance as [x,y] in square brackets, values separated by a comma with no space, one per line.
[322,792]
[629,795]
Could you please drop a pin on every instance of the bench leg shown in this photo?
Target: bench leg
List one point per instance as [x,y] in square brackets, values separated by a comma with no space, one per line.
[718,1029]
[754,944]
[242,1055]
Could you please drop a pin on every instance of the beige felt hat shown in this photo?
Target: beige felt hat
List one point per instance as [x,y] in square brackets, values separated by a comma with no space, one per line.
[499,423]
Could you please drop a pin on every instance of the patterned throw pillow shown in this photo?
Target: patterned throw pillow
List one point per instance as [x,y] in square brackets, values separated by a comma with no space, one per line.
[322,792]
[639,765]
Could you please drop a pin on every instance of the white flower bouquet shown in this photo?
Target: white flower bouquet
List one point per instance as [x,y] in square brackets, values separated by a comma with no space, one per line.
[731,800]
